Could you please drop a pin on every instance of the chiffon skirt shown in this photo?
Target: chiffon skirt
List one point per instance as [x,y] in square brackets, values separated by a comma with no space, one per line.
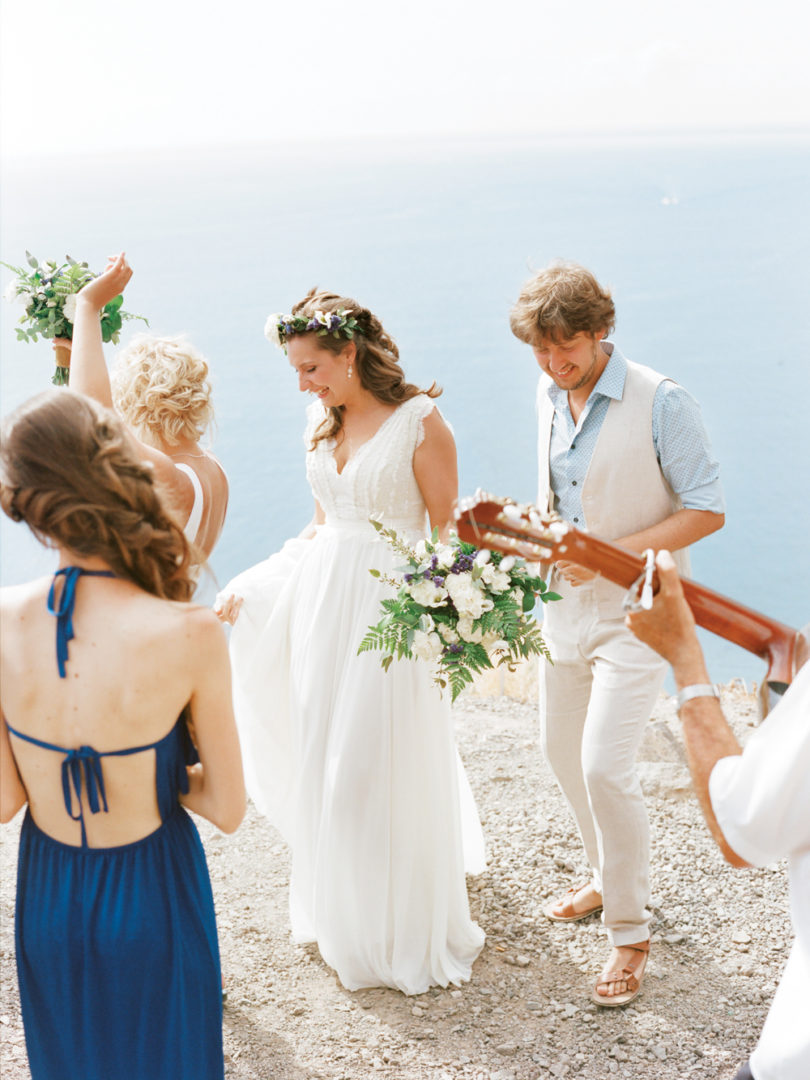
[357,768]
[117,958]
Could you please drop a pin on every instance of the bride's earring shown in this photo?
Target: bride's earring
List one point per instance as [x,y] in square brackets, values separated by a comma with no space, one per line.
[349,372]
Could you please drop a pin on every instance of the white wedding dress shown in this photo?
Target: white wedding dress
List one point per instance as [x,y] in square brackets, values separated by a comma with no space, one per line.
[355,766]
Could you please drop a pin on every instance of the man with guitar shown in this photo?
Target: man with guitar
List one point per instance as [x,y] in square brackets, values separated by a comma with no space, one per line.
[624,454]
[756,803]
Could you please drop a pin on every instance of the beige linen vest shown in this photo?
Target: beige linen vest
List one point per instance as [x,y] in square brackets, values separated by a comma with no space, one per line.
[624,490]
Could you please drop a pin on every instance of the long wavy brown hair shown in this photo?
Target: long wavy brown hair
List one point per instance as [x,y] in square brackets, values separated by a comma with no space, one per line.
[70,471]
[377,360]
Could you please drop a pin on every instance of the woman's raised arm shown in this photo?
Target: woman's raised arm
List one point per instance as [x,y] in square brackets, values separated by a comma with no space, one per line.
[88,368]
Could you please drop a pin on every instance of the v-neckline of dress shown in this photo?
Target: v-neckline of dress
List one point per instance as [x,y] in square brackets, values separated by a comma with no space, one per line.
[363,445]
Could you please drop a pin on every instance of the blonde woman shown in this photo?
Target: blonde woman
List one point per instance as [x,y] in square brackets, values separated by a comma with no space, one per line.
[160,388]
[117,955]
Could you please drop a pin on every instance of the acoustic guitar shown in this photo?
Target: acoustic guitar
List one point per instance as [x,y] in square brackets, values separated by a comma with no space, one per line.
[505,526]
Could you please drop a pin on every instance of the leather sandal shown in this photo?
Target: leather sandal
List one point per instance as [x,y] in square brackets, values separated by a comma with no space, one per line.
[566,904]
[632,974]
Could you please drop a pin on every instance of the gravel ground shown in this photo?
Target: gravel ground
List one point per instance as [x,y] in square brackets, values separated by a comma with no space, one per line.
[720,938]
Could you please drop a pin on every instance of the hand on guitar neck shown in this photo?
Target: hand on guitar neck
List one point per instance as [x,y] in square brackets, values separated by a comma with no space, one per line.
[503,525]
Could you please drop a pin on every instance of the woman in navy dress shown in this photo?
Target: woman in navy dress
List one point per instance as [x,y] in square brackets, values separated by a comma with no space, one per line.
[106,675]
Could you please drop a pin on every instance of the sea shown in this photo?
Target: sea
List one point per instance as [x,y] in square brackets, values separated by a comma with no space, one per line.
[704,240]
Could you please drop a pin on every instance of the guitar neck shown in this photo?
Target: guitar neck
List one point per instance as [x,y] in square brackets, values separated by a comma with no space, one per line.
[487,521]
[751,630]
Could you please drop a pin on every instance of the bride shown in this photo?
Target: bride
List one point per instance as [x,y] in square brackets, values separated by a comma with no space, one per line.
[357,767]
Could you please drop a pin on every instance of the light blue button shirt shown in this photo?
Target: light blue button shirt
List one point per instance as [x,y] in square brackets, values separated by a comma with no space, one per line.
[679,436]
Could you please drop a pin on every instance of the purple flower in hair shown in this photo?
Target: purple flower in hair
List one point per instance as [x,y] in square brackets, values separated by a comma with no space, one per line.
[313,324]
[334,322]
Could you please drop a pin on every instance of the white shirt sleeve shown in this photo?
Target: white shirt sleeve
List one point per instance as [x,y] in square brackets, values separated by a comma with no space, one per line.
[762,797]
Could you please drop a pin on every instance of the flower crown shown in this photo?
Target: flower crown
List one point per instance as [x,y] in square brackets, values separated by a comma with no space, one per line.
[279,328]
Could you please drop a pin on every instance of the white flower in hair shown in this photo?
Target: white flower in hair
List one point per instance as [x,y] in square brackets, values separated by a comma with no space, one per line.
[69,307]
[271,329]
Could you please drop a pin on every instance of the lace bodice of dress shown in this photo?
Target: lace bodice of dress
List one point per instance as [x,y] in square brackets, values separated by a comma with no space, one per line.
[378,479]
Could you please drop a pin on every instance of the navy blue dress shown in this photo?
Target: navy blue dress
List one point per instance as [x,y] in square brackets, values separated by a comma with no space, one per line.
[117,954]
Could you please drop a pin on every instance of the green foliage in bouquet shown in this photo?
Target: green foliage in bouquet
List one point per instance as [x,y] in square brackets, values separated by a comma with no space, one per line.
[462,609]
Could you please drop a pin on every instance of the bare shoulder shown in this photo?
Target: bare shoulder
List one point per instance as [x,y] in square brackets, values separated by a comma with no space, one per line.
[438,436]
[16,600]
[436,426]
[200,627]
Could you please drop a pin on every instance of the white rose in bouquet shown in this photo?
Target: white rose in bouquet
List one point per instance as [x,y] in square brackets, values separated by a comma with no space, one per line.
[492,576]
[445,556]
[427,592]
[427,646]
[69,308]
[421,551]
[468,597]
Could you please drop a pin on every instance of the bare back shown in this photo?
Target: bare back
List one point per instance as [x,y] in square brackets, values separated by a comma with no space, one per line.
[180,493]
[131,668]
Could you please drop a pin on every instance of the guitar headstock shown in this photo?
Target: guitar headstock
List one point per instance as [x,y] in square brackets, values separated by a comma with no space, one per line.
[513,528]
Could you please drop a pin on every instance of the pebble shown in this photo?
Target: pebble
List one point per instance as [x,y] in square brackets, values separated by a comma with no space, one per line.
[507,1049]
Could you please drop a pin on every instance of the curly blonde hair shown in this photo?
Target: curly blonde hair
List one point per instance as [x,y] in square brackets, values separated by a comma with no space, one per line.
[376,360]
[560,301]
[68,469]
[160,387]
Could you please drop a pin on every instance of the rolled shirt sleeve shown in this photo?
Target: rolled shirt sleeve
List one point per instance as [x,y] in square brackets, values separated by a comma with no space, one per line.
[683,449]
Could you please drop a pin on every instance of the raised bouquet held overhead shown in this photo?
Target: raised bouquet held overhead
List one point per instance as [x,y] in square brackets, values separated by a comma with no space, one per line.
[47,293]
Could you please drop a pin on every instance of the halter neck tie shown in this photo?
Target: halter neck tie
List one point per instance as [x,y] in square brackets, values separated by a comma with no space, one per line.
[64,610]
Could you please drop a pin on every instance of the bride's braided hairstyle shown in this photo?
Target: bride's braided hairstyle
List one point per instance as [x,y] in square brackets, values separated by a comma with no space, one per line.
[377,360]
[70,471]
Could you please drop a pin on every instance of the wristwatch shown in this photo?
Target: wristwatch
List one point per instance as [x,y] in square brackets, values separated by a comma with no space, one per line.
[696,690]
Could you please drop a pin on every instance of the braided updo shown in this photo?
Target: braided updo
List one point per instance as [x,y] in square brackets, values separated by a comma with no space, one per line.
[376,362]
[70,471]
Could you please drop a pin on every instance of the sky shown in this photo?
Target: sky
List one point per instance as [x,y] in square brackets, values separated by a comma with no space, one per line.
[93,75]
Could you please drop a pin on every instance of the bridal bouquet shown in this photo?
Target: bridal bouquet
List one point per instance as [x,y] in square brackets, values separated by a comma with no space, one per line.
[47,293]
[462,609]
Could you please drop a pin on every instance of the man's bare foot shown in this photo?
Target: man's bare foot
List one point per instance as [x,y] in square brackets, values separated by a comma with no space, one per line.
[578,903]
[622,976]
